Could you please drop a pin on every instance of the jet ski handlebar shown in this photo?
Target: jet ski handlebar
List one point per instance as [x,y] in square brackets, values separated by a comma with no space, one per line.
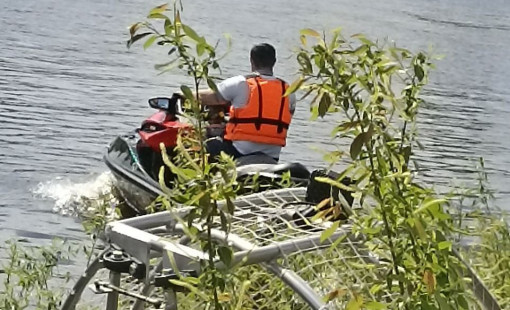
[174,105]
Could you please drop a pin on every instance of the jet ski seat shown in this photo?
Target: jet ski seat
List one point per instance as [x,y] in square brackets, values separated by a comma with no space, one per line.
[255,159]
[253,164]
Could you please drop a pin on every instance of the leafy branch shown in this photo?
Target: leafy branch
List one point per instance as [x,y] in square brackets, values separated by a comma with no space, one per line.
[374,89]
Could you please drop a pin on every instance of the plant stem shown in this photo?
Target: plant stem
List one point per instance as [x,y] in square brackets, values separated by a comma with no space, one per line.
[387,226]
[211,251]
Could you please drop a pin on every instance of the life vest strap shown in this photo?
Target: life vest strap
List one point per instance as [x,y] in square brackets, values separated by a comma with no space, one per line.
[282,104]
[259,120]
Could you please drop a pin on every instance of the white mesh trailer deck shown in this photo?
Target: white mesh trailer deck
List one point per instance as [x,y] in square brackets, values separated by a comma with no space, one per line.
[274,240]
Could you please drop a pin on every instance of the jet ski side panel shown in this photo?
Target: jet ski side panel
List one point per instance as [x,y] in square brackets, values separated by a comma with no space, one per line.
[136,172]
[135,185]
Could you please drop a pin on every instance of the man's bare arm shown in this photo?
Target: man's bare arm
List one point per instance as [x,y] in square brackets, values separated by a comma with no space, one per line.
[210,98]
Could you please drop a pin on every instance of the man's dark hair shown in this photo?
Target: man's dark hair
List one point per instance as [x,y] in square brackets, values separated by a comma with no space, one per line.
[263,55]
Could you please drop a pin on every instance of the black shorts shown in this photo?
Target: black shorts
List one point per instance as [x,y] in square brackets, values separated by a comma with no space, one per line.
[217,145]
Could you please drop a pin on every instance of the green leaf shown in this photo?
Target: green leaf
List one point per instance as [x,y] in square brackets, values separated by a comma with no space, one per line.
[419,228]
[230,206]
[443,303]
[211,84]
[375,288]
[319,60]
[444,245]
[345,104]
[294,86]
[463,302]
[166,64]
[157,16]
[149,42]
[390,69]
[159,9]
[363,39]
[355,303]
[135,38]
[437,212]
[360,50]
[309,32]
[347,125]
[193,280]
[191,33]
[224,221]
[357,144]
[190,287]
[225,254]
[177,17]
[328,232]
[332,157]
[168,27]
[200,49]
[228,37]
[324,104]
[427,306]
[374,305]
[429,204]
[134,28]
[305,63]
[302,38]
[372,230]
[418,71]
[334,183]
[187,92]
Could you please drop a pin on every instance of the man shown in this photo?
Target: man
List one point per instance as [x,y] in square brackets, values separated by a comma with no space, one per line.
[259,114]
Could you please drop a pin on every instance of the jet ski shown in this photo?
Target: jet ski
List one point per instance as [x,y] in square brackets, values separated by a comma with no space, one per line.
[135,158]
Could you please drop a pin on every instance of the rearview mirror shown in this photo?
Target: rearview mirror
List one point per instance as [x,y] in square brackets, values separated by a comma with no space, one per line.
[163,103]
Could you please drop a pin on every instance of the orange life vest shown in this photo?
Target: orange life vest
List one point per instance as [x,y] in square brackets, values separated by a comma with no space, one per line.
[266,116]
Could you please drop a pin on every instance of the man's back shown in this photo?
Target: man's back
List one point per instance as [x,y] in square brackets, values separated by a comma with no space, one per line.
[237,91]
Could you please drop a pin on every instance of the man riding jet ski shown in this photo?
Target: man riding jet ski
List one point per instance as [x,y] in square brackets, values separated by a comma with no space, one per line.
[259,113]
[254,134]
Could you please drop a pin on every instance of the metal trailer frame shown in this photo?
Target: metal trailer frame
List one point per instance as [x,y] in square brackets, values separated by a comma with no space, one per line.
[133,236]
[136,237]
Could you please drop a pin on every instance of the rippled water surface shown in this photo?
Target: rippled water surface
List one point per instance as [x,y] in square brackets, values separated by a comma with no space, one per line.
[68,85]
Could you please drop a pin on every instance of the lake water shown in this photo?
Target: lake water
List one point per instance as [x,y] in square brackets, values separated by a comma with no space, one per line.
[69,85]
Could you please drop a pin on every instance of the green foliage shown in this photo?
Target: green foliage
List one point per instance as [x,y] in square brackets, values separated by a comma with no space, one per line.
[256,183]
[98,212]
[492,259]
[30,276]
[374,89]
[27,274]
[488,232]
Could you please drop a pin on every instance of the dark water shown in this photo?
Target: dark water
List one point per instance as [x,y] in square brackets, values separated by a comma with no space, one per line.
[68,85]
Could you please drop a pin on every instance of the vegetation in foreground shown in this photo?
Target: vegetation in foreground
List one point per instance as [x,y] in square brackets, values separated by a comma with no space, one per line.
[30,277]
